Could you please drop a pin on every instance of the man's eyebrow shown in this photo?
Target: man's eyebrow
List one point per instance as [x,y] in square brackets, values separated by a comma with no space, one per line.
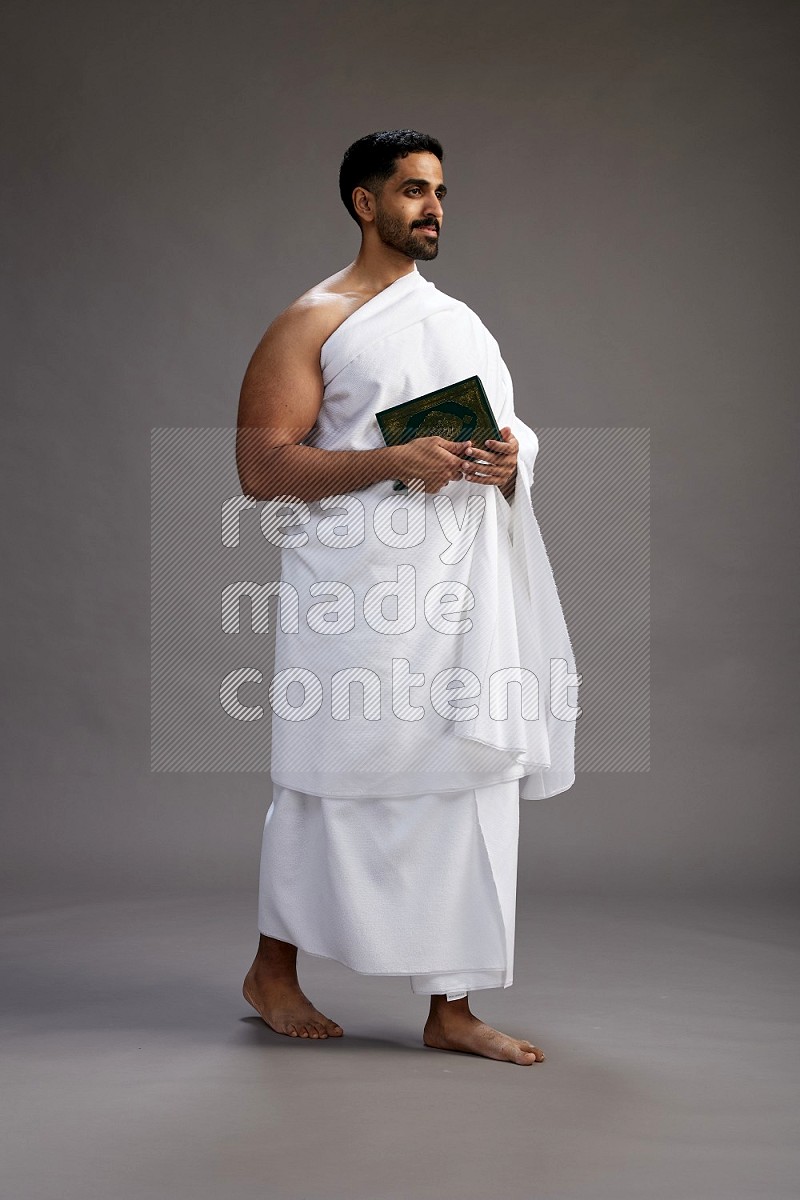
[422,183]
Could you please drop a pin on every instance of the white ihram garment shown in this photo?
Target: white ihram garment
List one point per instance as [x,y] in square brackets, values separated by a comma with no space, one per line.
[423,886]
[389,842]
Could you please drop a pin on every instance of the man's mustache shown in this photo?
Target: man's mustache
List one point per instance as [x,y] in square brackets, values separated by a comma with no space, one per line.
[426,225]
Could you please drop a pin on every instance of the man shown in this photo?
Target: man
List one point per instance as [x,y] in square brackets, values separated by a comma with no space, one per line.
[391,841]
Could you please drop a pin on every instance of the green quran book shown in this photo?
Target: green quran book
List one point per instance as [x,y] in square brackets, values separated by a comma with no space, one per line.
[458,412]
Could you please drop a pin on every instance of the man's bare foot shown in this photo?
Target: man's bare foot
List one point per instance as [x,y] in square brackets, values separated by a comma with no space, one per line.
[451,1026]
[272,989]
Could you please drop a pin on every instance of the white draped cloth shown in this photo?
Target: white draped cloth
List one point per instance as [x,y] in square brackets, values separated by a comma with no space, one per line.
[423,886]
[424,676]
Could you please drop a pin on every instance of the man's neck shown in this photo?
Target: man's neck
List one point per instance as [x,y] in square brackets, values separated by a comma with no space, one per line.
[376,268]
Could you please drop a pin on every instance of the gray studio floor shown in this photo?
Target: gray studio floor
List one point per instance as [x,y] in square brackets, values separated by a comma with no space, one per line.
[134,1070]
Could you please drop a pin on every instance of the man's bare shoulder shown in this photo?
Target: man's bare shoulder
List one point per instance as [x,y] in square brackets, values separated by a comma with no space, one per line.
[314,315]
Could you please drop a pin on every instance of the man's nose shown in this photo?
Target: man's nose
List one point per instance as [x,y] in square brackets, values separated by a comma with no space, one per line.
[434,208]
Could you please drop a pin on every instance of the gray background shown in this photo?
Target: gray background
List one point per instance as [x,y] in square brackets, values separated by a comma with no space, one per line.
[622,179]
[622,208]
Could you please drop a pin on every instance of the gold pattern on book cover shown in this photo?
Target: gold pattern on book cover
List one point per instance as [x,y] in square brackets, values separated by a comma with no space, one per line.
[458,412]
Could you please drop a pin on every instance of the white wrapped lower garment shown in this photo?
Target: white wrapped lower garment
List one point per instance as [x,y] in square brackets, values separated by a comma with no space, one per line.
[423,886]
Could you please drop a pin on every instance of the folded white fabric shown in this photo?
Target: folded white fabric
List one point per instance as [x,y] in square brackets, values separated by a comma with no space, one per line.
[423,886]
[430,653]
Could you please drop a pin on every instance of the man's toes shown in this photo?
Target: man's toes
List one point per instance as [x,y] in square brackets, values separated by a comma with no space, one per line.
[328,1028]
[525,1058]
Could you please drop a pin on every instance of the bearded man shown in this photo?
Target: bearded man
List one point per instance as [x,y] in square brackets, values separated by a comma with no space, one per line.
[391,841]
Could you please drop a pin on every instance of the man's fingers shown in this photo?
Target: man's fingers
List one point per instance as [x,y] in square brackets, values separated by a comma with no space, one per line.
[486,469]
[508,447]
[455,447]
[488,475]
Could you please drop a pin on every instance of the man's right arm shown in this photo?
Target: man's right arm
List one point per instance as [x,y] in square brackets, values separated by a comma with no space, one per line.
[280,400]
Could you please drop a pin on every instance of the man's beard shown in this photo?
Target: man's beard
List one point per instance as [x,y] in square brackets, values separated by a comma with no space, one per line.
[413,242]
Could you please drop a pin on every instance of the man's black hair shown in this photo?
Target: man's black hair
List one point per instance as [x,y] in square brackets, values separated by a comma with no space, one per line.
[370,161]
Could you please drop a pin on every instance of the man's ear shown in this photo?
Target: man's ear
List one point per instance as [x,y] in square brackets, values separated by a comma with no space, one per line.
[364,204]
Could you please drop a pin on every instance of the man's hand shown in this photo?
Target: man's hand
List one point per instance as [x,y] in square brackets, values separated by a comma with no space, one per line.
[433,459]
[495,463]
